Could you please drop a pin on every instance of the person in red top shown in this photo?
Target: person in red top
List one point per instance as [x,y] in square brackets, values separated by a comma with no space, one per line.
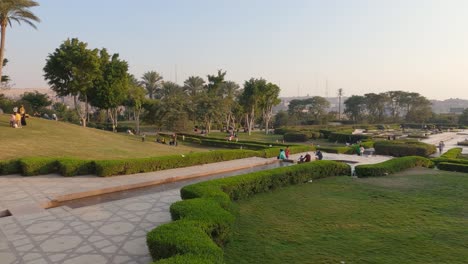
[287,151]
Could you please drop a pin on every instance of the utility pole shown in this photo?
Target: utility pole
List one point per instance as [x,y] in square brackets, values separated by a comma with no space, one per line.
[340,94]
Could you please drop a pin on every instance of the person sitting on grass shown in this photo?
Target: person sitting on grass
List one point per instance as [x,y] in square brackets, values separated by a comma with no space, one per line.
[306,158]
[13,120]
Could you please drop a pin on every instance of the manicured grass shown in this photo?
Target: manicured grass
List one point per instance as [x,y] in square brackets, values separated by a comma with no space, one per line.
[420,216]
[47,138]
[254,136]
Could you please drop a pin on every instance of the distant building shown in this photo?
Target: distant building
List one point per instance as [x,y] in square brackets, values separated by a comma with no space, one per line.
[456,110]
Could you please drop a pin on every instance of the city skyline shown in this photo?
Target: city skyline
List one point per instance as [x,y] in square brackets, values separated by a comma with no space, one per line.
[360,46]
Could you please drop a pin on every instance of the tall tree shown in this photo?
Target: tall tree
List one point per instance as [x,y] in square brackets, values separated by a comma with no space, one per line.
[376,104]
[110,89]
[72,70]
[14,11]
[269,97]
[230,92]
[463,119]
[135,100]
[152,82]
[355,107]
[193,85]
[249,100]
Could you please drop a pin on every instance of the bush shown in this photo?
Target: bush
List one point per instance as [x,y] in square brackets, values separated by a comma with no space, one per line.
[208,212]
[9,167]
[182,237]
[346,138]
[284,130]
[463,143]
[72,167]
[325,133]
[401,148]
[295,137]
[452,153]
[392,166]
[38,166]
[447,166]
[106,168]
[338,150]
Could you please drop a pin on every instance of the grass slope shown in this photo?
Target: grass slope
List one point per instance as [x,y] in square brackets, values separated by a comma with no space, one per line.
[47,138]
[419,218]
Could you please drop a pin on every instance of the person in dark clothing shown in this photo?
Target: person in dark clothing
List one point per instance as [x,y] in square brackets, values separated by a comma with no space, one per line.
[319,155]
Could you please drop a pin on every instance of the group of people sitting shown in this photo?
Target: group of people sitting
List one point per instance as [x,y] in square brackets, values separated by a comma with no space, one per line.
[18,118]
[284,155]
[307,157]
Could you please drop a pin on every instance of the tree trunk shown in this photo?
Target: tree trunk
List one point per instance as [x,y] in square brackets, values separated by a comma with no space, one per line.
[78,111]
[2,46]
[137,121]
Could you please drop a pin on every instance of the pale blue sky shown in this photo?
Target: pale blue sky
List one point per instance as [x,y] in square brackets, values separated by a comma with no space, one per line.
[359,45]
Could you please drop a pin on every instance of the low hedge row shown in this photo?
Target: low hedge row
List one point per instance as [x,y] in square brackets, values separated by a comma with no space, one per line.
[392,166]
[347,138]
[104,168]
[338,150]
[447,166]
[463,143]
[203,221]
[295,137]
[452,153]
[401,148]
[202,137]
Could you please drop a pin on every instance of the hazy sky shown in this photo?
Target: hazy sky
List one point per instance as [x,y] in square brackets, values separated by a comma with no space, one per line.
[359,45]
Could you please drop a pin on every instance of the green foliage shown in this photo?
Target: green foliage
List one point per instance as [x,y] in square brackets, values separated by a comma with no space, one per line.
[338,150]
[452,153]
[36,100]
[106,168]
[9,167]
[392,166]
[73,167]
[206,214]
[447,166]
[186,259]
[400,148]
[284,130]
[295,137]
[463,143]
[38,166]
[346,138]
[182,237]
[463,119]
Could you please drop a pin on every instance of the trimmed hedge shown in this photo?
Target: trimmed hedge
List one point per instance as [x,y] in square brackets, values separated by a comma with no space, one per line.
[392,166]
[338,150]
[9,167]
[401,148]
[452,153]
[72,167]
[205,217]
[106,168]
[295,137]
[38,166]
[447,166]
[347,138]
[463,143]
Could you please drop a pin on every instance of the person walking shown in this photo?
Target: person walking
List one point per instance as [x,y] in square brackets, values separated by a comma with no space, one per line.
[441,146]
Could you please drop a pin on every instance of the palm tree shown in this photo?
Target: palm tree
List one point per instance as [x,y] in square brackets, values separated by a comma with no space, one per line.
[18,11]
[193,85]
[152,82]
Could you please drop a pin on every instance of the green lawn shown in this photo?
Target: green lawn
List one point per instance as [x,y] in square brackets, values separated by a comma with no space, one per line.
[420,216]
[254,136]
[47,138]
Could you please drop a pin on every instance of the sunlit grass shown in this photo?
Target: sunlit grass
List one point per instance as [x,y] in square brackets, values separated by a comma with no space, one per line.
[410,218]
[47,138]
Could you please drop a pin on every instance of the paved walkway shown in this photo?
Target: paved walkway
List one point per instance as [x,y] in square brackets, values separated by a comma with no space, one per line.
[109,232]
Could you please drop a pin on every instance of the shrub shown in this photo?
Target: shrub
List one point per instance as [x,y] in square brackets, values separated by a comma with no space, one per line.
[72,167]
[182,237]
[273,152]
[392,166]
[9,167]
[38,166]
[400,148]
[452,153]
[346,138]
[106,168]
[463,143]
[284,130]
[338,150]
[295,137]
[457,161]
[208,212]
[325,133]
[447,166]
